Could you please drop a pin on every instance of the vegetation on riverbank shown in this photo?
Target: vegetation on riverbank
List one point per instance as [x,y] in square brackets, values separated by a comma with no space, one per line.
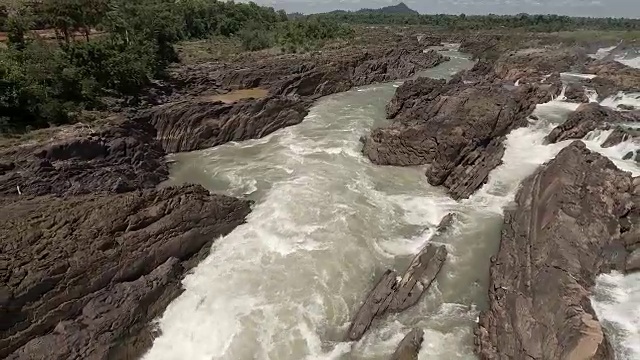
[49,82]
[533,23]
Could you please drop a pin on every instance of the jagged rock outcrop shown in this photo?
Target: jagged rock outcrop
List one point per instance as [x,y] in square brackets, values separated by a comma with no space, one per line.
[586,118]
[456,129]
[535,64]
[620,134]
[409,347]
[121,157]
[576,93]
[394,293]
[412,92]
[613,77]
[576,217]
[191,125]
[82,276]
[292,82]
[318,73]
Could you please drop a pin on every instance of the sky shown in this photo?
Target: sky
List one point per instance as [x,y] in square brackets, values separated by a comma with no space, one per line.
[597,8]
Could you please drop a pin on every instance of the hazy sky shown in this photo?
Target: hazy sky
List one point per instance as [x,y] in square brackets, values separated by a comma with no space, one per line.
[600,8]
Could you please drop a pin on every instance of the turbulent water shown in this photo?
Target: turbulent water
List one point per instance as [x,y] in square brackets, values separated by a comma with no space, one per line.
[326,223]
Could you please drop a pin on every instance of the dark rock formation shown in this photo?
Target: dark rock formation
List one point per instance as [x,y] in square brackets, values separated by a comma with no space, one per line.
[576,93]
[409,347]
[457,129]
[120,158]
[620,134]
[613,77]
[586,118]
[191,125]
[534,64]
[412,92]
[84,274]
[319,73]
[576,217]
[393,293]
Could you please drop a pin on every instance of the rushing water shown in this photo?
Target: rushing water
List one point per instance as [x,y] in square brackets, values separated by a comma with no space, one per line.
[325,224]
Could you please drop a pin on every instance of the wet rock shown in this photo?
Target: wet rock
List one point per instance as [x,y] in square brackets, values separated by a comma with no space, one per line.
[89,272]
[613,77]
[124,152]
[575,208]
[628,156]
[626,107]
[393,293]
[620,135]
[633,261]
[456,129]
[576,93]
[410,345]
[586,118]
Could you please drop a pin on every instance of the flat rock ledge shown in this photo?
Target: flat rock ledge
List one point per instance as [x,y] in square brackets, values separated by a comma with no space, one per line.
[578,216]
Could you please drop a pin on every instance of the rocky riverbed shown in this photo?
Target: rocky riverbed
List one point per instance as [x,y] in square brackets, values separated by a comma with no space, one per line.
[93,250]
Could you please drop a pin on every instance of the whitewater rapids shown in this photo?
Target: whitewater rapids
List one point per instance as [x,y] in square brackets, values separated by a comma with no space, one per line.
[326,223]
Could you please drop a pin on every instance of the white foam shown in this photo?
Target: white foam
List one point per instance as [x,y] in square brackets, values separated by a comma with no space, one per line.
[570,75]
[632,62]
[621,98]
[617,304]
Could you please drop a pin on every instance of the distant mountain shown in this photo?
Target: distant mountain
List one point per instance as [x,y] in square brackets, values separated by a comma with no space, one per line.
[401,8]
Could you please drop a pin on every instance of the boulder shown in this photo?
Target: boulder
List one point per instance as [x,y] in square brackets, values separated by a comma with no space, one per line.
[409,347]
[573,219]
[586,118]
[576,93]
[619,135]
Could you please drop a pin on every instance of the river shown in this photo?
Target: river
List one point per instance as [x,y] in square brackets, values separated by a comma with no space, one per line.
[325,224]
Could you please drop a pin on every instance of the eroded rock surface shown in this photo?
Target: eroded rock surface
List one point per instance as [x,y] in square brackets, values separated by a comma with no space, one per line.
[83,275]
[455,128]
[122,157]
[191,125]
[394,293]
[576,217]
[613,77]
[586,118]
[409,347]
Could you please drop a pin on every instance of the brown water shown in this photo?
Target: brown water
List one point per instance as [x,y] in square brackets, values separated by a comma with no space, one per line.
[233,96]
[326,223]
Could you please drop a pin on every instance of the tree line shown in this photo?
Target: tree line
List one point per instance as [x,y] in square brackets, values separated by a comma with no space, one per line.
[539,23]
[122,45]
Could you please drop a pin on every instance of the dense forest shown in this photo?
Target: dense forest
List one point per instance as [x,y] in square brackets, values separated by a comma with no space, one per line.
[538,23]
[115,47]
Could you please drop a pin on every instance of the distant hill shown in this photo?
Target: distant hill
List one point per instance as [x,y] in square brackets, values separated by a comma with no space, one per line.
[401,8]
